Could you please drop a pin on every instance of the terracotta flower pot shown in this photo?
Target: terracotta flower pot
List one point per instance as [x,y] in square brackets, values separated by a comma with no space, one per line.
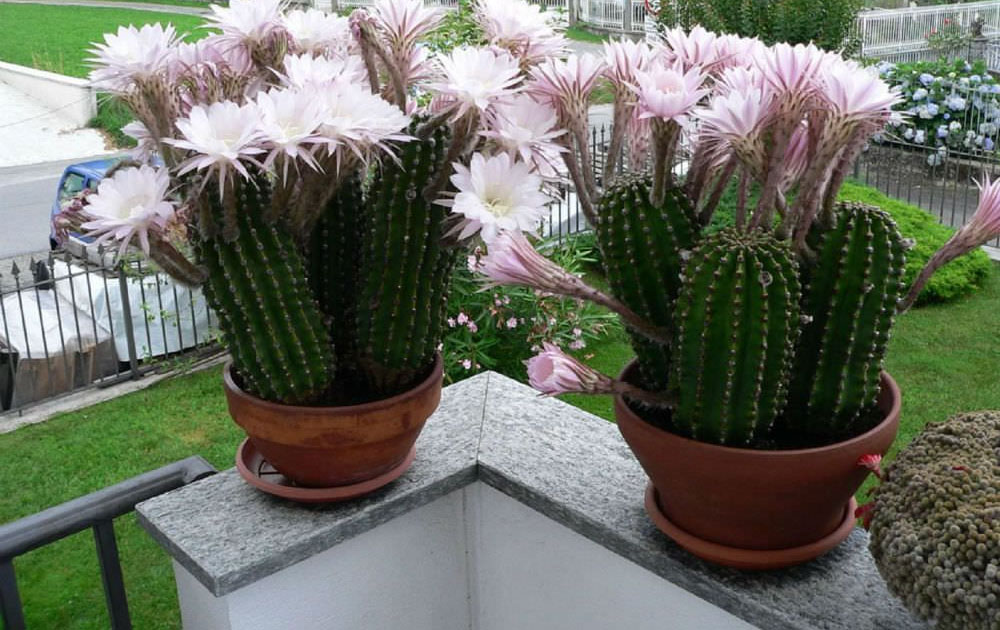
[754,509]
[324,447]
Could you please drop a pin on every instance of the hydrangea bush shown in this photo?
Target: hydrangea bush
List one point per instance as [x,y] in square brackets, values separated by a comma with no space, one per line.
[947,106]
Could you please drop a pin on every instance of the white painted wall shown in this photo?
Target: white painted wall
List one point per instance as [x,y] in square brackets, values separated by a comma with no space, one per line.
[474,560]
[71,98]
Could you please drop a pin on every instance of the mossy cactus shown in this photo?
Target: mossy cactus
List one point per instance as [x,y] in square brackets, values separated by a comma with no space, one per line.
[849,304]
[643,249]
[737,320]
[935,533]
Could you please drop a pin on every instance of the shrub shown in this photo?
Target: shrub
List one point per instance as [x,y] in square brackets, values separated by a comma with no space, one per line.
[951,106]
[956,279]
[499,328]
[827,24]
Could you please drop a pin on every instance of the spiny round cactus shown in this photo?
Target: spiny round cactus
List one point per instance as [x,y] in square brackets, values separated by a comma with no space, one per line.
[935,534]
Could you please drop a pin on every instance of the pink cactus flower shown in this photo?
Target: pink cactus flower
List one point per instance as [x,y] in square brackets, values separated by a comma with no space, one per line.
[318,71]
[477,78]
[873,462]
[316,31]
[668,93]
[221,136]
[405,21]
[355,118]
[696,48]
[131,55]
[985,223]
[856,95]
[130,204]
[553,372]
[512,260]
[567,84]
[624,58]
[791,70]
[496,193]
[289,126]
[247,20]
[528,129]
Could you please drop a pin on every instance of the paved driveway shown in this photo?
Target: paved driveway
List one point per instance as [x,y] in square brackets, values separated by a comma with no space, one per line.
[30,133]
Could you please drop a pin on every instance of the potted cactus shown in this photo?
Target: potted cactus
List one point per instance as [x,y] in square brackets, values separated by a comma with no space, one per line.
[759,334]
[935,523]
[319,177]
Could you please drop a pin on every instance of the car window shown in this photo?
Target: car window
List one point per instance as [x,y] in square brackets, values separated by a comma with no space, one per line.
[71,186]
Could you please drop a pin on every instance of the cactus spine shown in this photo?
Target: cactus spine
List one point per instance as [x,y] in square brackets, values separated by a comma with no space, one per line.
[737,319]
[405,270]
[267,314]
[851,296]
[643,249]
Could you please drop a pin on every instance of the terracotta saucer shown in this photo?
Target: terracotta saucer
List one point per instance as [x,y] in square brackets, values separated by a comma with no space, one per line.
[751,559]
[260,474]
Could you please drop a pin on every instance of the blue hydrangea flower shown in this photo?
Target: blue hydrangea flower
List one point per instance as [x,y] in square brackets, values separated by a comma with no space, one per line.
[935,159]
[942,131]
[919,94]
[920,137]
[926,79]
[946,116]
[932,110]
[956,103]
[988,144]
[975,78]
[908,134]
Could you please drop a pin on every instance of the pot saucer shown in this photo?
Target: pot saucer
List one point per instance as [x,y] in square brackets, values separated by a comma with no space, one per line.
[748,559]
[260,474]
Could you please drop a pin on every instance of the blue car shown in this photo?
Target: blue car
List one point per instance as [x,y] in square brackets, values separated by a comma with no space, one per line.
[75,178]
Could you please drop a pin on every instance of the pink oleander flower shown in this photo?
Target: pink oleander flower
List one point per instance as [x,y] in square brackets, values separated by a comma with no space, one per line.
[567,86]
[623,59]
[131,55]
[289,126]
[251,21]
[128,205]
[355,118]
[667,93]
[791,70]
[553,372]
[403,22]
[856,95]
[477,78]
[496,193]
[527,129]
[221,136]
[316,31]
[310,70]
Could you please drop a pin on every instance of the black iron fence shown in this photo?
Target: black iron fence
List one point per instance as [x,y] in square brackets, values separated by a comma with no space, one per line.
[68,323]
[95,511]
[941,182]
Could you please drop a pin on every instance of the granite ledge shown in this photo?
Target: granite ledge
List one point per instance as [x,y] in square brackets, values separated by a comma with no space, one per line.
[560,461]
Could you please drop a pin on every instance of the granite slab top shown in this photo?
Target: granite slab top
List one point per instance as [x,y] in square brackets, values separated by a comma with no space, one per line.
[563,462]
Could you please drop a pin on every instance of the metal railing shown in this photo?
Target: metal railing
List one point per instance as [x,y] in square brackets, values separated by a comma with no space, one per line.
[95,511]
[69,323]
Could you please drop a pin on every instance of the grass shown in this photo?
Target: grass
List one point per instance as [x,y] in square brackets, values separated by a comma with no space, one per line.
[177,3]
[83,451]
[56,38]
[580,34]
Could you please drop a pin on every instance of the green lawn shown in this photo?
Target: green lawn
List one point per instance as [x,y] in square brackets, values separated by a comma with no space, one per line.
[580,34]
[46,464]
[56,38]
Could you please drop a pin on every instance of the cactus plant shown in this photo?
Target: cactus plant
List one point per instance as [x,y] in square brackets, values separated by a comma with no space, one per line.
[849,304]
[771,332]
[737,320]
[326,174]
[935,526]
[643,247]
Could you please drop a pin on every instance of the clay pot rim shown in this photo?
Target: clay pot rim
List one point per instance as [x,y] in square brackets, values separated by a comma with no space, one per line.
[886,381]
[428,383]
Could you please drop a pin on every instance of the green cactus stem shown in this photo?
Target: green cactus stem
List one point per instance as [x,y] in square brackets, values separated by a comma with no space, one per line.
[848,305]
[405,272]
[643,248]
[737,319]
[256,284]
[335,253]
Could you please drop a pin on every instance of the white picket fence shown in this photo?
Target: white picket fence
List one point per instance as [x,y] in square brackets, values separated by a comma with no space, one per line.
[609,15]
[900,35]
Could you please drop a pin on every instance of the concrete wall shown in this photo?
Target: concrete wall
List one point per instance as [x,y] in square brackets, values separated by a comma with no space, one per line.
[473,560]
[74,100]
